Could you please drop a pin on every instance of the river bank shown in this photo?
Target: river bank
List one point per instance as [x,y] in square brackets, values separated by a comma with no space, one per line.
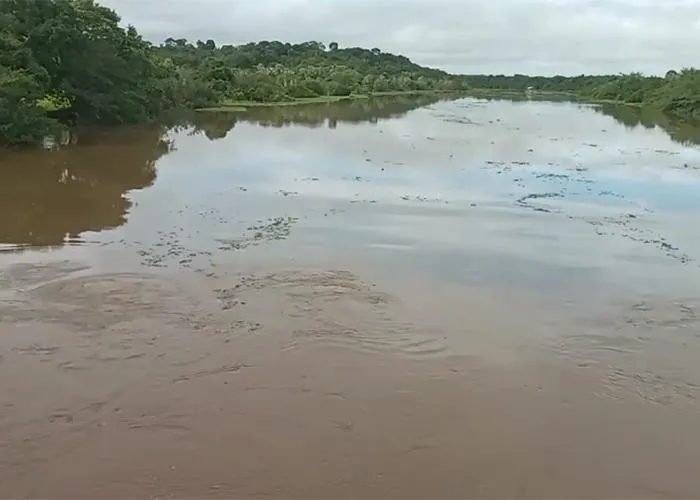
[243,105]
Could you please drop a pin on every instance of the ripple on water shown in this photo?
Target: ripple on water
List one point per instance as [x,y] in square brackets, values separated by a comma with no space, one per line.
[642,348]
[57,294]
[331,307]
[22,275]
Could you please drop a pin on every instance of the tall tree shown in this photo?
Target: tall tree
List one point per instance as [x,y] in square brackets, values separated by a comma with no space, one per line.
[105,72]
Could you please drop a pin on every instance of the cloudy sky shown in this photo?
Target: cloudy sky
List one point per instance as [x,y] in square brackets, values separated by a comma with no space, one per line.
[463,36]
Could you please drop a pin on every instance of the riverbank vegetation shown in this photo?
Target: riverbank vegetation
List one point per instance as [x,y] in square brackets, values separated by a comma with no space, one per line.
[72,62]
[677,93]
[283,72]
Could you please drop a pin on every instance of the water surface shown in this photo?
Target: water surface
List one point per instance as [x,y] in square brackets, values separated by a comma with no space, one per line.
[393,297]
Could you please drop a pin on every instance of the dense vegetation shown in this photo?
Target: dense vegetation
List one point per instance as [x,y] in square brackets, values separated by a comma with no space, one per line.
[678,93]
[276,71]
[72,54]
[70,61]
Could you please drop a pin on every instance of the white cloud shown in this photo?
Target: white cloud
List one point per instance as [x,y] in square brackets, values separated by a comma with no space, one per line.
[470,36]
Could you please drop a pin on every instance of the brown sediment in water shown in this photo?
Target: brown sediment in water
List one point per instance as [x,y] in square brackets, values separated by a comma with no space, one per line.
[236,309]
[306,383]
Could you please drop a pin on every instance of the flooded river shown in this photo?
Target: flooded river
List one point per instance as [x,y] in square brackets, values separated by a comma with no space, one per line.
[398,298]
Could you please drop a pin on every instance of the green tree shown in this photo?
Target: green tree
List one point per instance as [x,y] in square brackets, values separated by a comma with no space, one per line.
[106,72]
[22,120]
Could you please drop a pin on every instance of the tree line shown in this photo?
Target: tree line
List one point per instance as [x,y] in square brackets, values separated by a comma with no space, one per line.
[276,72]
[70,61]
[676,94]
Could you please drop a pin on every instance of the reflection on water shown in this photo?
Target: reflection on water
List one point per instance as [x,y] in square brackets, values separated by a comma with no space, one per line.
[681,131]
[520,152]
[215,125]
[81,181]
[49,197]
[684,132]
[351,111]
[386,298]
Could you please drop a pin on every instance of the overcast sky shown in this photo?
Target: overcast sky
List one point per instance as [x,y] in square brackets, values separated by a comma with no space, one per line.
[462,36]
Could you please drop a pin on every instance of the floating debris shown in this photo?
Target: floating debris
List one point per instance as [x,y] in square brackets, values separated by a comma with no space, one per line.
[524,201]
[553,177]
[276,228]
[287,193]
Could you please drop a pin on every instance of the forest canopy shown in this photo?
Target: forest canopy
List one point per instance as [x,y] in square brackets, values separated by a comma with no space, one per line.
[72,61]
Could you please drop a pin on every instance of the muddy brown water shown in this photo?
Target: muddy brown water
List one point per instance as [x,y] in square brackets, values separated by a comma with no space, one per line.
[386,299]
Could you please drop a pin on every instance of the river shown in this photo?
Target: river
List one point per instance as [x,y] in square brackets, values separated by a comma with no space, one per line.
[391,298]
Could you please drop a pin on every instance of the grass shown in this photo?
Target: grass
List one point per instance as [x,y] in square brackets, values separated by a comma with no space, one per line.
[614,101]
[222,107]
[230,105]
[414,92]
[239,106]
[512,92]
[243,105]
